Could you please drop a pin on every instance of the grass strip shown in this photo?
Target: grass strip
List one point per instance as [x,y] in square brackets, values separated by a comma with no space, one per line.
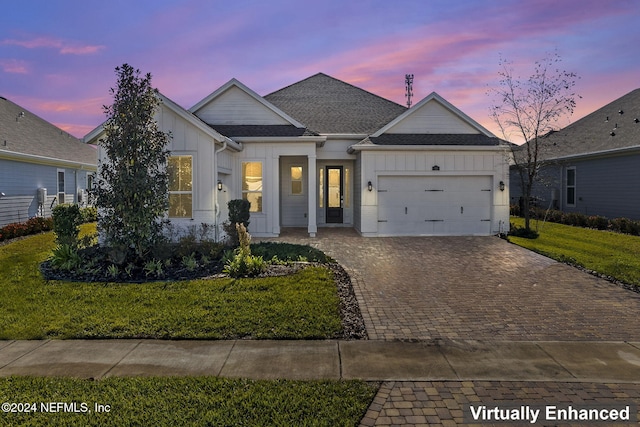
[612,254]
[189,401]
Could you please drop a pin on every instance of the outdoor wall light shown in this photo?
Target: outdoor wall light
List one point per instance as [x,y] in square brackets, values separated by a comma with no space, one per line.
[2,195]
[501,185]
[369,186]
[219,185]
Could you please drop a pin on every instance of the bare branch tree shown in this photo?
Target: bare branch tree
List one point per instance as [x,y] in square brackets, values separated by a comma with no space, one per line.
[530,109]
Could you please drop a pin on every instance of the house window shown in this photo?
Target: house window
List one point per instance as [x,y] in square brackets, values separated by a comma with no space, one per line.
[296,180]
[252,185]
[180,171]
[60,186]
[571,186]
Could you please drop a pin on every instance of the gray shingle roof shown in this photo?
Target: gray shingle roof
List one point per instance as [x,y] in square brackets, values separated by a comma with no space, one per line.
[26,133]
[592,133]
[327,105]
[435,139]
[261,130]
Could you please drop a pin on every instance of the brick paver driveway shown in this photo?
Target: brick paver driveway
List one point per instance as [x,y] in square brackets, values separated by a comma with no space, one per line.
[481,288]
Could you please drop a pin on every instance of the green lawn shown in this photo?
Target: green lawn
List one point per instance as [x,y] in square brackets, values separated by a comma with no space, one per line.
[613,254]
[200,401]
[301,306]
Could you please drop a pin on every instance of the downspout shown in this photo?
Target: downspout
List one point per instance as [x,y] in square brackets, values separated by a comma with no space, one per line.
[216,206]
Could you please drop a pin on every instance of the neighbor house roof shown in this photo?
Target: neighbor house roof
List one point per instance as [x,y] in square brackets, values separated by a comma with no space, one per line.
[330,106]
[23,135]
[616,126]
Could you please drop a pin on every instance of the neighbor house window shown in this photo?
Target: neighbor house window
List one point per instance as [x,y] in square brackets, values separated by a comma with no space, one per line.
[296,180]
[180,171]
[60,186]
[252,185]
[571,187]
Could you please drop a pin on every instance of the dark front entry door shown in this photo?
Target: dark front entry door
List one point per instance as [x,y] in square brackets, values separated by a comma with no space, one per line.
[335,196]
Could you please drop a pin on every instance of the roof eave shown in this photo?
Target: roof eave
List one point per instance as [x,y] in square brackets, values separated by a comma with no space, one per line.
[377,147]
[49,161]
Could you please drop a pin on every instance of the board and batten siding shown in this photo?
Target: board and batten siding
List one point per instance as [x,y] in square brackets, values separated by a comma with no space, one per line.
[432,117]
[294,207]
[267,223]
[188,140]
[420,163]
[236,107]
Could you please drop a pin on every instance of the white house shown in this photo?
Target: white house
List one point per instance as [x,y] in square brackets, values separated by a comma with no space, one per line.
[324,153]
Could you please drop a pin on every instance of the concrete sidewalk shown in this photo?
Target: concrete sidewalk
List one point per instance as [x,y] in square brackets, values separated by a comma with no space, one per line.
[596,362]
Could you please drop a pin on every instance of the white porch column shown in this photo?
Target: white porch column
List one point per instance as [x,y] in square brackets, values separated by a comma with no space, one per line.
[312,173]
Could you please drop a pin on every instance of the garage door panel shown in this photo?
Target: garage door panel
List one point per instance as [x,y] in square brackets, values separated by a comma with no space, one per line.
[414,205]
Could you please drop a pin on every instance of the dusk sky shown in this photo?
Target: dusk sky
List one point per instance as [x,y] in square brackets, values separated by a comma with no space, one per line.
[57,58]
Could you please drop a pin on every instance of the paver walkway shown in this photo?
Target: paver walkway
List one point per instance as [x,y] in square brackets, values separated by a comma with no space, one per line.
[481,288]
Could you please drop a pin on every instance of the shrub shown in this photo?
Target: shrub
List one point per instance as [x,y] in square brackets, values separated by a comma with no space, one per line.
[66,257]
[66,223]
[575,218]
[625,225]
[242,263]
[239,213]
[597,222]
[13,230]
[522,232]
[89,214]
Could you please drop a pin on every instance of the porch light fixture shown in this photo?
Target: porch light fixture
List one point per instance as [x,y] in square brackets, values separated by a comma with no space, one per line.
[501,185]
[435,168]
[219,185]
[369,186]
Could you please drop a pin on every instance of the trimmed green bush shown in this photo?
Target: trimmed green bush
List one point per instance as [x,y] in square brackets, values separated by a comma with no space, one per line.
[239,213]
[66,224]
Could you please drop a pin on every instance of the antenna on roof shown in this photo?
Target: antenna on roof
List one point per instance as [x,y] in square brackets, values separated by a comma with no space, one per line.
[408,84]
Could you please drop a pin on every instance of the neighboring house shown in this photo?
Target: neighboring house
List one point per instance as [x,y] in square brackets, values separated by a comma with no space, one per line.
[593,165]
[40,165]
[324,153]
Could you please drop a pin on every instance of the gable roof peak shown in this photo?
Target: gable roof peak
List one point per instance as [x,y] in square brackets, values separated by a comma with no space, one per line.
[434,96]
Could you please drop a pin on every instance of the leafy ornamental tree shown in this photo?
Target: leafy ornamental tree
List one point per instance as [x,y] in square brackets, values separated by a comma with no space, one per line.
[132,188]
[531,109]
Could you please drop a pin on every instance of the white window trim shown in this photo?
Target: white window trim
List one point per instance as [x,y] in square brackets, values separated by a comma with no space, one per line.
[262,192]
[291,181]
[567,187]
[193,188]
[64,183]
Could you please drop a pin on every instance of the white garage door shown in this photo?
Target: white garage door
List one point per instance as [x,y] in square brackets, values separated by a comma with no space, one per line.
[442,205]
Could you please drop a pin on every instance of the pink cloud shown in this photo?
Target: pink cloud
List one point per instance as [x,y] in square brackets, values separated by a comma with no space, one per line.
[14,66]
[63,47]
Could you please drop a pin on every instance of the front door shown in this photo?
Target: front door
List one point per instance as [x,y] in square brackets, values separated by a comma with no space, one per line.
[335,192]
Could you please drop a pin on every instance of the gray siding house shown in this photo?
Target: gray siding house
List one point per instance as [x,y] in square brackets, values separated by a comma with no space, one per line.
[40,165]
[593,165]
